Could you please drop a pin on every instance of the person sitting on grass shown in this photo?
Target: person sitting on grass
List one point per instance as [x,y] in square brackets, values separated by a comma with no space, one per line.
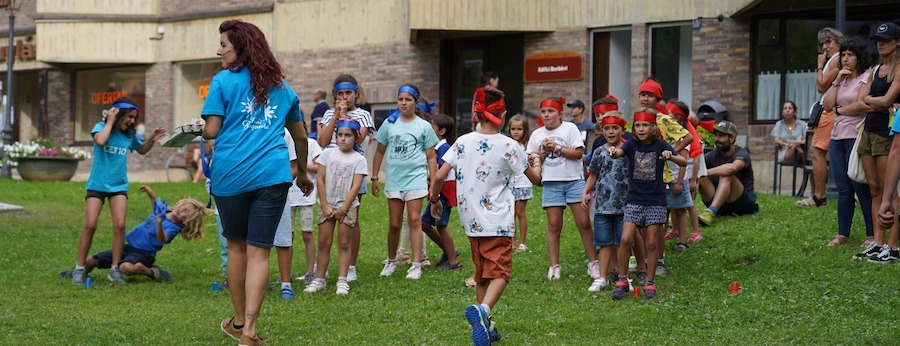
[728,187]
[145,240]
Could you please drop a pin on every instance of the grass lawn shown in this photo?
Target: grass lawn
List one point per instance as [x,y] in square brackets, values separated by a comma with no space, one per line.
[794,290]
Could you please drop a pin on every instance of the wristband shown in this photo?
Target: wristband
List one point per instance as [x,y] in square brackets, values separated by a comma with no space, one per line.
[374,179]
[558,150]
[434,199]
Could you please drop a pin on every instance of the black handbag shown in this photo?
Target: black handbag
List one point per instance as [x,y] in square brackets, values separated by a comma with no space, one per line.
[815,114]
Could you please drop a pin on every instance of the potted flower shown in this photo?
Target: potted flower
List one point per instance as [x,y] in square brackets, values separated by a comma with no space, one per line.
[41,159]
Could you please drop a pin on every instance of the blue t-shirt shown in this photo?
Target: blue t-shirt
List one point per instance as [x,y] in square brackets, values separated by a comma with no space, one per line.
[407,167]
[250,147]
[143,236]
[646,185]
[612,184]
[109,172]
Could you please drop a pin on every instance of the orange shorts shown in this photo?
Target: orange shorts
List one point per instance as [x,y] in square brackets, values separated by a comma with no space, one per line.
[822,135]
[492,257]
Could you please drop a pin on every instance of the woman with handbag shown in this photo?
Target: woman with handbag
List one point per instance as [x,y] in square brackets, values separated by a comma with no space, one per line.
[826,70]
[842,98]
[882,91]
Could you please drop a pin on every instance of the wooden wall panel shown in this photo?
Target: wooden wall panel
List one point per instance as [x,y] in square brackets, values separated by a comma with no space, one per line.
[128,7]
[317,24]
[480,15]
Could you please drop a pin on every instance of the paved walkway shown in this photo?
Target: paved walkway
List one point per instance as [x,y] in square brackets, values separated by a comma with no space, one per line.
[10,207]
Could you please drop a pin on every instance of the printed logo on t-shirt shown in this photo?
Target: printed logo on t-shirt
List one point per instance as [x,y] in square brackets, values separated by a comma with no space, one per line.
[404,146]
[482,172]
[483,146]
[252,121]
[645,166]
[554,160]
[115,150]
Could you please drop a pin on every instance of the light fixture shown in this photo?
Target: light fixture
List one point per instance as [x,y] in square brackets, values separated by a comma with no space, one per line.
[160,31]
[697,23]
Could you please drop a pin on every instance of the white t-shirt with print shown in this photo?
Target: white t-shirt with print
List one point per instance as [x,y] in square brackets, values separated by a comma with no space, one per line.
[522,181]
[559,168]
[485,168]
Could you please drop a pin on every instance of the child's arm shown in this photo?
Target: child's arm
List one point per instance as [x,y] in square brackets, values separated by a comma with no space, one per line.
[588,185]
[150,194]
[376,167]
[431,159]
[149,142]
[615,152]
[678,159]
[323,196]
[351,196]
[436,183]
[101,137]
[693,183]
[678,188]
[161,235]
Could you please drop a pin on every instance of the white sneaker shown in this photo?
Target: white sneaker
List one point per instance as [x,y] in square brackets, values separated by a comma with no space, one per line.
[351,274]
[593,269]
[598,284]
[553,273]
[389,269]
[425,261]
[318,285]
[342,288]
[414,272]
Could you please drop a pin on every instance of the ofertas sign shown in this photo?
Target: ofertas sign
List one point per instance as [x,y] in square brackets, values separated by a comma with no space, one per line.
[553,66]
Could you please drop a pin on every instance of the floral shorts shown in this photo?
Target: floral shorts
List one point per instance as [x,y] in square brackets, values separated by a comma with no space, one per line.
[522,193]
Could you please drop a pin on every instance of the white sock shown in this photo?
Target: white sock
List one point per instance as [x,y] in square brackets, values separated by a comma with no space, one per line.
[285,284]
[487,309]
[79,267]
[342,278]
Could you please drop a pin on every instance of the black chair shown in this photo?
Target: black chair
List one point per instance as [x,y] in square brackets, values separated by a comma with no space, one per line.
[805,168]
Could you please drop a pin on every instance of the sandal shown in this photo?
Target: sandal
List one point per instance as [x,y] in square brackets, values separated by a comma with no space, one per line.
[812,202]
[838,240]
[681,247]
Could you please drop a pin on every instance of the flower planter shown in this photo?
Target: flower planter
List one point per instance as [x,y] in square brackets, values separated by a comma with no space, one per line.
[47,168]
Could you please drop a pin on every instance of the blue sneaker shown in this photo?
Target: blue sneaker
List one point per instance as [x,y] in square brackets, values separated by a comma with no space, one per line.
[287,292]
[478,319]
[494,333]
[115,276]
[77,275]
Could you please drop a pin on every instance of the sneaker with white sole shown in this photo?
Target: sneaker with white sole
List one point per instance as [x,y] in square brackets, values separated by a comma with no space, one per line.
[887,255]
[318,285]
[389,268]
[554,272]
[661,268]
[425,261]
[77,276]
[351,274]
[593,269]
[414,272]
[598,284]
[342,288]
[871,250]
[160,275]
[287,292]
[306,278]
[478,320]
[115,276]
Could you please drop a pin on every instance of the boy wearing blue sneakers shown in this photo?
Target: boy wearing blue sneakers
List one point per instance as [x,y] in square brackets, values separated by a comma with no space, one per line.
[486,164]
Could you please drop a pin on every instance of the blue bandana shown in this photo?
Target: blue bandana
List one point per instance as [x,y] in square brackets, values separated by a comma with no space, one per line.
[426,107]
[125,105]
[392,117]
[345,86]
[409,90]
[348,123]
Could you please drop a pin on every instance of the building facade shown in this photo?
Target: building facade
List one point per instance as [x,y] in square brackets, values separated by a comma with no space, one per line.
[73,57]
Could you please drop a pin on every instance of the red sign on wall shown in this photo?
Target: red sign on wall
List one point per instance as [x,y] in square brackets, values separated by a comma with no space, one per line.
[553,66]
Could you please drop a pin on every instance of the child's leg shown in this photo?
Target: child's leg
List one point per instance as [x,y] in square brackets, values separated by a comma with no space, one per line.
[306,224]
[653,235]
[118,206]
[489,291]
[223,244]
[523,220]
[395,218]
[639,249]
[326,235]
[413,213]
[432,233]
[284,254]
[695,221]
[629,230]
[554,227]
[355,235]
[129,268]
[344,249]
[91,214]
[404,233]
[582,220]
[449,246]
[681,223]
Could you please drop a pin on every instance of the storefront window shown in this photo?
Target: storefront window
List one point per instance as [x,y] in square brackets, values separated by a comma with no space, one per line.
[191,87]
[671,59]
[95,90]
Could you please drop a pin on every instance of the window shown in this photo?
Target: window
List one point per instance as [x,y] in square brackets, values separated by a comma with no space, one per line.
[95,90]
[670,60]
[191,87]
[380,112]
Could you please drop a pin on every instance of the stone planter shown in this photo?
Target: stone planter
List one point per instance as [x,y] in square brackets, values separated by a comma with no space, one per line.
[47,168]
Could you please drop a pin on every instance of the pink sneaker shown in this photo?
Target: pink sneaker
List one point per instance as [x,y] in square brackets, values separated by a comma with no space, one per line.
[672,234]
[695,236]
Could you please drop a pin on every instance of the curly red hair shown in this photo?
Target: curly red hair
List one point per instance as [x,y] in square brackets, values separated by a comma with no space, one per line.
[252,50]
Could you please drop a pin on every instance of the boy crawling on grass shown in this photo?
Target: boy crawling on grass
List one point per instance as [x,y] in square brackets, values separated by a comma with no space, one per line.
[145,240]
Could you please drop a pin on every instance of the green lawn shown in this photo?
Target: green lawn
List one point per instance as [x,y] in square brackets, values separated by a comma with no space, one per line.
[794,289]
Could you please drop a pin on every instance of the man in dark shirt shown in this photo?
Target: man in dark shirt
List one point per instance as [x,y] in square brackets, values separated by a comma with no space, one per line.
[318,111]
[728,187]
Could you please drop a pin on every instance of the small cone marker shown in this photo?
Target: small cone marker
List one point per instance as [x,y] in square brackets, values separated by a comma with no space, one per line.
[735,288]
[636,292]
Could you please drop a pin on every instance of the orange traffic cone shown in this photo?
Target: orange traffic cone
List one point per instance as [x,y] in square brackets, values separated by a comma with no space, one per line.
[636,292]
[735,288]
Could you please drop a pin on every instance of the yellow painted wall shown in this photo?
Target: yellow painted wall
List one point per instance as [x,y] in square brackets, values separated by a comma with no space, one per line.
[130,7]
[491,15]
[199,38]
[103,42]
[606,13]
[322,24]
[22,65]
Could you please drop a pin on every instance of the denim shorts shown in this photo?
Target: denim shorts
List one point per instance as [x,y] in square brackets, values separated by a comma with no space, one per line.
[129,255]
[608,230]
[284,234]
[681,201]
[522,193]
[427,219]
[645,215]
[253,216]
[562,193]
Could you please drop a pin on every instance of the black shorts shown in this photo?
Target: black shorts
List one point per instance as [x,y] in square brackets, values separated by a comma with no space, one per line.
[744,205]
[129,255]
[104,195]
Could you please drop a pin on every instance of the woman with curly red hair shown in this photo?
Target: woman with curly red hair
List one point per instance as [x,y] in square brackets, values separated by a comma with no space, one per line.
[248,105]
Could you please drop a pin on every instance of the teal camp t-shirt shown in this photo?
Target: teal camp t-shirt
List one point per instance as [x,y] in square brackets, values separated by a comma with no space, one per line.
[250,149]
[407,168]
[109,171]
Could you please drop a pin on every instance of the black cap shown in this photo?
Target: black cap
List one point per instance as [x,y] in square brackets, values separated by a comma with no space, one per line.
[887,31]
[576,104]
